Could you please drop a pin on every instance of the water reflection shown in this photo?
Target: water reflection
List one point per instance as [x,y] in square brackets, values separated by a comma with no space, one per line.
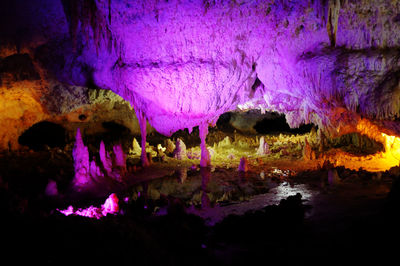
[216,194]
[205,173]
[284,190]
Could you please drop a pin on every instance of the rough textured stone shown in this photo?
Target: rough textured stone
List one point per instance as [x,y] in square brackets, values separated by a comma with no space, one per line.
[184,63]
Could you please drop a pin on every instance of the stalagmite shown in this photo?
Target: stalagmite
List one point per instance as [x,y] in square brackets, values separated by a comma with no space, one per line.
[95,170]
[80,154]
[119,156]
[160,151]
[308,153]
[226,142]
[142,125]
[135,147]
[180,150]
[205,155]
[105,158]
[170,146]
[263,149]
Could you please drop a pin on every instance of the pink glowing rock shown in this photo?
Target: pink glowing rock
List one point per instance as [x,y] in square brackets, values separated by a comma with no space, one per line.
[68,211]
[95,171]
[110,205]
[51,188]
[119,156]
[180,150]
[105,158]
[91,212]
[263,149]
[243,165]
[80,154]
[205,155]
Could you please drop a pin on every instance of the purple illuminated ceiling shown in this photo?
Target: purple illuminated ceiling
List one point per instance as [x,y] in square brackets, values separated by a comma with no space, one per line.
[183,63]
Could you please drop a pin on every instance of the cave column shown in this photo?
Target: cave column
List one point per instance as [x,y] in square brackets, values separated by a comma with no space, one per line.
[205,155]
[142,125]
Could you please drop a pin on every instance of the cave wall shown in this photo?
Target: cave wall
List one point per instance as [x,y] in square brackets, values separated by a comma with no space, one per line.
[28,96]
[183,63]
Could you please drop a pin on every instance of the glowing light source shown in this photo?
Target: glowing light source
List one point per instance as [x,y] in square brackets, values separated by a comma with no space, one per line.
[380,161]
[110,206]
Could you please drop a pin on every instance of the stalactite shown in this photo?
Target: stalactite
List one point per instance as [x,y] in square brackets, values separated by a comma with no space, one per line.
[142,125]
[333,18]
[205,155]
[90,17]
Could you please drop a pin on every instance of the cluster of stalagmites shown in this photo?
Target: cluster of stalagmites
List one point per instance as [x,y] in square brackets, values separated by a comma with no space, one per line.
[87,170]
[113,165]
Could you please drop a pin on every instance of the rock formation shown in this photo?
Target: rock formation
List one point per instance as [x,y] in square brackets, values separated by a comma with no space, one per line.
[263,149]
[169,146]
[105,159]
[205,159]
[180,150]
[136,149]
[182,64]
[80,154]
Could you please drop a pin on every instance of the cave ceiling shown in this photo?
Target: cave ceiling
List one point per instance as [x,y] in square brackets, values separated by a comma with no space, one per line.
[184,63]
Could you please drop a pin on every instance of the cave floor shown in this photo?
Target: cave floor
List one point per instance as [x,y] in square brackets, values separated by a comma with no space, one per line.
[284,209]
[177,214]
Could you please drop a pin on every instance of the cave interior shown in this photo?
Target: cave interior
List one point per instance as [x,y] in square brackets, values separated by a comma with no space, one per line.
[188,132]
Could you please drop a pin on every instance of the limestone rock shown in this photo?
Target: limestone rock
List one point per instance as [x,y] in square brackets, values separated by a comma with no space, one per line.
[226,142]
[136,149]
[263,149]
[80,154]
[105,159]
[180,150]
[119,157]
[308,152]
[170,146]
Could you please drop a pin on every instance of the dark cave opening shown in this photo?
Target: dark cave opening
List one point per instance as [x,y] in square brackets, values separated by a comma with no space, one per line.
[254,122]
[43,134]
[356,143]
[277,124]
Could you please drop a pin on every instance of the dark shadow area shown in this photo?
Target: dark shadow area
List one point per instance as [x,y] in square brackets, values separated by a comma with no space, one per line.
[114,134]
[19,67]
[223,123]
[279,125]
[115,128]
[356,143]
[43,134]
